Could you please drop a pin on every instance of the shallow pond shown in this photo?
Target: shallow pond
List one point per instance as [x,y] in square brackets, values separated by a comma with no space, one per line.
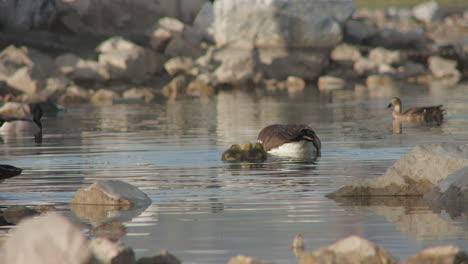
[206,211]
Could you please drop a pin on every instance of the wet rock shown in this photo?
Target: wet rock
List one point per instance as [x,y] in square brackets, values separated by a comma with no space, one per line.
[112,229]
[178,65]
[104,97]
[47,239]
[112,252]
[74,95]
[128,61]
[438,255]
[111,192]
[244,260]
[444,68]
[451,193]
[356,31]
[428,12]
[16,213]
[385,56]
[328,83]
[353,249]
[176,88]
[199,88]
[346,53]
[163,257]
[413,174]
[141,94]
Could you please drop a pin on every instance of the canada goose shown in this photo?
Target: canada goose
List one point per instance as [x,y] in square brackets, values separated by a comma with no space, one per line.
[21,118]
[8,171]
[417,114]
[290,140]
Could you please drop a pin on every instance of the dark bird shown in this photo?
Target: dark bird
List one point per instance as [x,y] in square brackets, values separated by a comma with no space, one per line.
[21,118]
[423,114]
[296,140]
[8,171]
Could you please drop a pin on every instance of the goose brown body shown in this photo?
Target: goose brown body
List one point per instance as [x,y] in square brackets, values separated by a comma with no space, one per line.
[274,136]
[417,114]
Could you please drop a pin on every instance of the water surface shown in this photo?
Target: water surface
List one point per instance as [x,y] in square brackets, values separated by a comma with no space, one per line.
[205,210]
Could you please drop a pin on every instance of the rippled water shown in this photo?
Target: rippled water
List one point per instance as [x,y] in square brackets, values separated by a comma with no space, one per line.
[204,210]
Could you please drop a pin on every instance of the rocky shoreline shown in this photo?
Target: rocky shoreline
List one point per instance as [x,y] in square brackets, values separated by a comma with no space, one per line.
[365,51]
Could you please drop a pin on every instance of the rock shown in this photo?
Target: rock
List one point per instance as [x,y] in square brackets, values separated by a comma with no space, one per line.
[413,174]
[244,260]
[384,56]
[159,39]
[176,88]
[451,193]
[25,15]
[178,65]
[295,85]
[353,249]
[112,229]
[163,257]
[377,81]
[428,12]
[438,255]
[327,83]
[126,60]
[16,213]
[111,192]
[346,53]
[444,68]
[238,65]
[204,20]
[74,95]
[78,69]
[363,65]
[359,32]
[411,69]
[104,97]
[141,94]
[44,208]
[112,252]
[198,88]
[183,45]
[47,239]
[13,59]
[307,258]
[26,81]
[394,39]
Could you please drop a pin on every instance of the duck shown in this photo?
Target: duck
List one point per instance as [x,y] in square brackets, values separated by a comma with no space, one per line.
[8,171]
[21,118]
[423,114]
[294,140]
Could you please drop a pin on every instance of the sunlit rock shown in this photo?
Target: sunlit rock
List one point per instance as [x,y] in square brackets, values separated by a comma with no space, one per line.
[444,68]
[111,192]
[74,95]
[163,257]
[237,64]
[411,69]
[244,260]
[328,83]
[428,12]
[104,97]
[178,65]
[384,56]
[364,65]
[14,58]
[48,239]
[112,252]
[353,249]
[295,85]
[142,94]
[79,69]
[413,174]
[438,255]
[345,52]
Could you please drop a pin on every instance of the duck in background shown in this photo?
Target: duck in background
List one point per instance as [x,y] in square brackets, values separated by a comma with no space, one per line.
[425,114]
[294,140]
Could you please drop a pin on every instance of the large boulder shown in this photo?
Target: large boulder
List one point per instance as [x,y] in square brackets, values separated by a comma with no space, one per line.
[289,37]
[25,15]
[413,174]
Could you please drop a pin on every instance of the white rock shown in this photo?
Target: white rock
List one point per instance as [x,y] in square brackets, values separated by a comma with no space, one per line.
[428,12]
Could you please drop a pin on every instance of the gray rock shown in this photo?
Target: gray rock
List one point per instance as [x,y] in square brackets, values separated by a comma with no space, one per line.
[345,52]
[353,249]
[113,252]
[186,44]
[413,174]
[112,229]
[411,69]
[74,95]
[204,20]
[24,15]
[78,69]
[428,12]
[359,32]
[438,255]
[365,66]
[111,192]
[47,239]
[26,80]
[238,65]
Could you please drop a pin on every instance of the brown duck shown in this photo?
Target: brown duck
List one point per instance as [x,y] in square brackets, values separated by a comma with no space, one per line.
[417,114]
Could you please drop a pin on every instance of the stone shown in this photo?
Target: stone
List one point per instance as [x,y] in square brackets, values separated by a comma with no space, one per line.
[175,88]
[384,56]
[327,83]
[353,249]
[178,65]
[377,81]
[26,80]
[356,31]
[413,174]
[163,257]
[16,213]
[428,12]
[345,52]
[244,260]
[395,39]
[198,88]
[25,15]
[364,65]
[141,94]
[104,97]
[204,20]
[126,60]
[438,255]
[159,39]
[181,46]
[238,65]
[443,68]
[74,95]
[78,69]
[295,84]
[411,69]
[48,239]
[13,58]
[112,252]
[112,229]
[111,192]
